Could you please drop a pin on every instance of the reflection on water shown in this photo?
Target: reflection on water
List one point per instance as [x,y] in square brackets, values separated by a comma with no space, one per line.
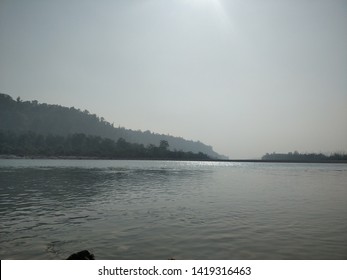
[186,210]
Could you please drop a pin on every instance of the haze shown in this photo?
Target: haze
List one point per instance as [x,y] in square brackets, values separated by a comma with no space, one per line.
[247,77]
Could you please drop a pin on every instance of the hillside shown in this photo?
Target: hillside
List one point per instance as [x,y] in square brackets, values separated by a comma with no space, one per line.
[22,116]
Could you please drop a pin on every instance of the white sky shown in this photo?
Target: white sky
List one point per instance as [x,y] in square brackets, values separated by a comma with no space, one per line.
[245,76]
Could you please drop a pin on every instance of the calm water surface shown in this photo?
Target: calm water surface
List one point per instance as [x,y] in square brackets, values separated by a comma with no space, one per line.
[161,209]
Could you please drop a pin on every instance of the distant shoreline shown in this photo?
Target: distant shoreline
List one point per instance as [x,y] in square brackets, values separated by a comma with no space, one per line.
[168,159]
[281,161]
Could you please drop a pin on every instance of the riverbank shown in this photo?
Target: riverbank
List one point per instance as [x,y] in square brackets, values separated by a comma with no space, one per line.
[167,159]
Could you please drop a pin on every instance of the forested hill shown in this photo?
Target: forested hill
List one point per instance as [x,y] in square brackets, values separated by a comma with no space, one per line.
[23,116]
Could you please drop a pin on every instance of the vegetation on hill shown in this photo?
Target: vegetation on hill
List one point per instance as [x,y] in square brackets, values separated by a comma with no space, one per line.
[22,116]
[31,144]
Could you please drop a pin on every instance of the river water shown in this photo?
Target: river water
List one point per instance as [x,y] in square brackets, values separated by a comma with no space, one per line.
[170,209]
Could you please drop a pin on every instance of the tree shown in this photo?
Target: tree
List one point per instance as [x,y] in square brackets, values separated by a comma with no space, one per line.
[164,145]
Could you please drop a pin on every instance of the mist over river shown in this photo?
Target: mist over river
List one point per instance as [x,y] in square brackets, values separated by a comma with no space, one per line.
[50,209]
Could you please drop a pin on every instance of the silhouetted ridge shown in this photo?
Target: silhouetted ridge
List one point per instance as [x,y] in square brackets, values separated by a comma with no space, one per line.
[22,116]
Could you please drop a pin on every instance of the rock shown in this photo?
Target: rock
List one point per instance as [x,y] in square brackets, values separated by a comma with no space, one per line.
[82,255]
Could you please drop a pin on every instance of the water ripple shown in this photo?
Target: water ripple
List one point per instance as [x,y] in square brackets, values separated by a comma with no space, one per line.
[158,210]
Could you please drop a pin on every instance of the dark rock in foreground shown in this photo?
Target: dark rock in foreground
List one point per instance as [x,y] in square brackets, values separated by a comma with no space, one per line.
[82,255]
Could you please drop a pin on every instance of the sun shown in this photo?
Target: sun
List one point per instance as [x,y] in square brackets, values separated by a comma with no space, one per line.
[214,7]
[205,3]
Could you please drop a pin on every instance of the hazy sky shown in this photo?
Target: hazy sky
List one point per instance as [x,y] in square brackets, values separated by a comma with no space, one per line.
[245,76]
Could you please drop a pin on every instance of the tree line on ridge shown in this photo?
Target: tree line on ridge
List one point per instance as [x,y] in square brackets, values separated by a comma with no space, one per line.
[31,144]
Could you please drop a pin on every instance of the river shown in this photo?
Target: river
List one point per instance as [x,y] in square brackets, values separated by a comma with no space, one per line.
[50,209]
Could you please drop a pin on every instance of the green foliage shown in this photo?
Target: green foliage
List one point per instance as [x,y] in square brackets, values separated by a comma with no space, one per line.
[81,145]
